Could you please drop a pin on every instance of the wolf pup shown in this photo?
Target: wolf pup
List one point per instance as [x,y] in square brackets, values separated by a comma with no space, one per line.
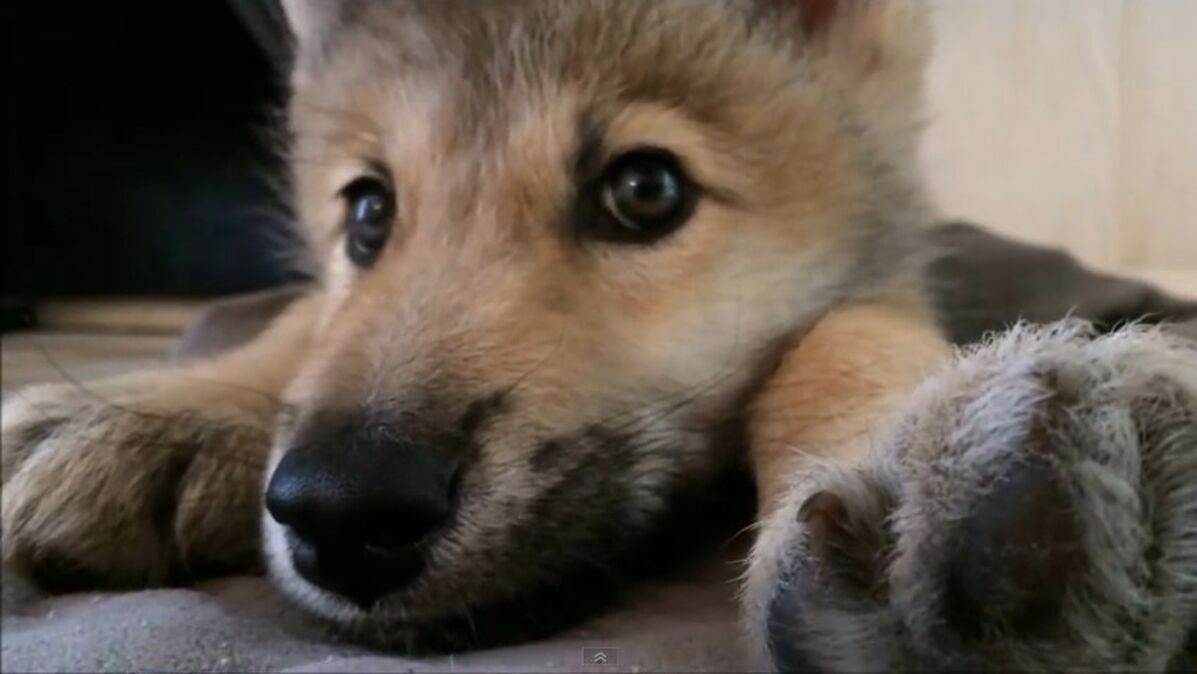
[563,247]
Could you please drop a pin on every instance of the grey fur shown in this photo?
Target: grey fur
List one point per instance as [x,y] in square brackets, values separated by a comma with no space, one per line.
[1111,421]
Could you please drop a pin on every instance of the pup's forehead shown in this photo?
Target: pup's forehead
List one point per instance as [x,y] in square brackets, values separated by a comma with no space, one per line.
[487,61]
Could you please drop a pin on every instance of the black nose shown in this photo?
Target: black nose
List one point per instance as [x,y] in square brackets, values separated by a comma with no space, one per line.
[358,499]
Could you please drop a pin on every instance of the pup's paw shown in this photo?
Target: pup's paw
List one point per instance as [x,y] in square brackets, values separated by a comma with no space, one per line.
[125,484]
[1034,510]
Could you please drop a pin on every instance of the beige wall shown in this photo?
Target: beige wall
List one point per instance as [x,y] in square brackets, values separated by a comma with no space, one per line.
[1072,122]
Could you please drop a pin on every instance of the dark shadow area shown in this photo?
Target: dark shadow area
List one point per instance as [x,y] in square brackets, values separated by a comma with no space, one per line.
[140,152]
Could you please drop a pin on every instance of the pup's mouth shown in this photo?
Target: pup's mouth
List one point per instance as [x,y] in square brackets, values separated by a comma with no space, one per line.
[361,574]
[548,574]
[532,613]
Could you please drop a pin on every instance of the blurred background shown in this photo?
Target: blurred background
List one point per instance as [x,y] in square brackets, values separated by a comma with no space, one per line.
[141,165]
[1072,123]
[142,152]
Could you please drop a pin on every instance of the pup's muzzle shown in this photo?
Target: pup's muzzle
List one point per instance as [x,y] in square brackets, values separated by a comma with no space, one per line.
[361,501]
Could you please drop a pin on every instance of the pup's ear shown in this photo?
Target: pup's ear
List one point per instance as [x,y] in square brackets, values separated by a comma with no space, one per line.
[861,37]
[872,53]
[311,21]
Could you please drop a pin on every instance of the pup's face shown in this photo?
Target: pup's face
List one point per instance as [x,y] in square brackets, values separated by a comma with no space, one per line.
[562,241]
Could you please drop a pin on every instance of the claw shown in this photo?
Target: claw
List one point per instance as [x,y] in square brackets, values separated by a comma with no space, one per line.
[851,553]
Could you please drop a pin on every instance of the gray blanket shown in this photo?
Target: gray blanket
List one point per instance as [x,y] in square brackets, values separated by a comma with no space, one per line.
[689,624]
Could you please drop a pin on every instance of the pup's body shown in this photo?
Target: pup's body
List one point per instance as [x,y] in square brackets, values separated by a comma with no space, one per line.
[520,359]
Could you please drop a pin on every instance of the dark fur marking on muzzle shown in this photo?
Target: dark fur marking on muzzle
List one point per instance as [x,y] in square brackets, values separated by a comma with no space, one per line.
[481,411]
[545,455]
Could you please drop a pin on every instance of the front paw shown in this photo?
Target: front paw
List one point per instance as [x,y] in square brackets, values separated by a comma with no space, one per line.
[1033,511]
[104,487]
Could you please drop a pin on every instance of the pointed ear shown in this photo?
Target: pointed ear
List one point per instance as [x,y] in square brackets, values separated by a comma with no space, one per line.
[311,21]
[871,53]
[862,36]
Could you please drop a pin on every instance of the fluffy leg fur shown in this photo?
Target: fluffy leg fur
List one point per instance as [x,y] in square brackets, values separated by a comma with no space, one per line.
[149,478]
[1034,509]
[841,382]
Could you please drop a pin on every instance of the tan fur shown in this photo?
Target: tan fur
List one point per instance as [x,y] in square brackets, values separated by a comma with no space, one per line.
[148,478]
[868,353]
[832,395]
[804,141]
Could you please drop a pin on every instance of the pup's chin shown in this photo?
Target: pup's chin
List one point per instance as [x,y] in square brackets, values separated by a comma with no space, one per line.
[533,612]
[321,603]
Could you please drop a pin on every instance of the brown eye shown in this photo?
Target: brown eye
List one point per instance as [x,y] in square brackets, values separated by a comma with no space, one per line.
[645,196]
[370,210]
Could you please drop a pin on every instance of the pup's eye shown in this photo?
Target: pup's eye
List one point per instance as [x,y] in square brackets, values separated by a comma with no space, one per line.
[370,210]
[646,196]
